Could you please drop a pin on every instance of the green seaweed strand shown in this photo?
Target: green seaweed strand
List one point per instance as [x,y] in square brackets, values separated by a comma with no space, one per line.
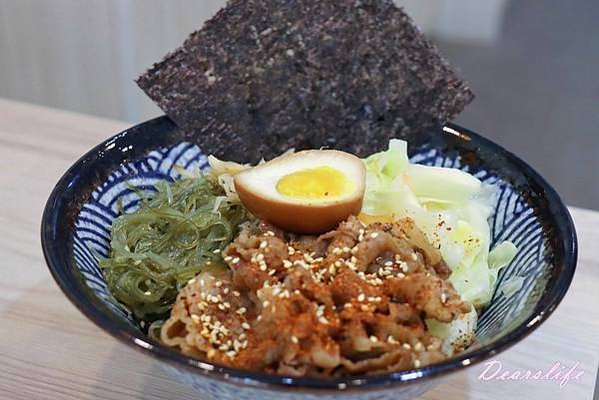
[161,246]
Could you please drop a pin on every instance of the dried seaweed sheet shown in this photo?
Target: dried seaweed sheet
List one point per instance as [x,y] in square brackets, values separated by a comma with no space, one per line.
[265,75]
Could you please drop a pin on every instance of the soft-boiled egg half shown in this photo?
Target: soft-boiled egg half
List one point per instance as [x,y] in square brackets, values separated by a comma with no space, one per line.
[306,192]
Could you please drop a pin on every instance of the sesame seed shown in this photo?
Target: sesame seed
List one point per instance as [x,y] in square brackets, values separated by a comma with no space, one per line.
[226,290]
[195,318]
[364,307]
[246,326]
[147,293]
[290,250]
[202,282]
[391,340]
[272,272]
[265,303]
[242,337]
[236,293]
[360,237]
[374,235]
[294,339]
[347,305]
[235,260]
[342,386]
[323,320]
[218,284]
[361,297]
[401,275]
[192,280]
[216,251]
[211,353]
[388,263]
[228,258]
[263,267]
[221,307]
[417,363]
[443,298]
[346,249]
[418,346]
[337,251]
[263,244]
[332,269]
[301,263]
[414,257]
[338,263]
[374,339]
[260,257]
[354,250]
[241,310]
[406,346]
[270,233]
[287,264]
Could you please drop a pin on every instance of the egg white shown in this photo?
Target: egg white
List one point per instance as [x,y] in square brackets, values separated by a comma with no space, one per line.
[262,179]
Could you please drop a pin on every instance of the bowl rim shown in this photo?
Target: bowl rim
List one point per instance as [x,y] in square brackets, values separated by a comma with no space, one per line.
[74,291]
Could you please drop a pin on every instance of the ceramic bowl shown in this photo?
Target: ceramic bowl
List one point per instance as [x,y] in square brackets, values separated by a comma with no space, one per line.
[76,227]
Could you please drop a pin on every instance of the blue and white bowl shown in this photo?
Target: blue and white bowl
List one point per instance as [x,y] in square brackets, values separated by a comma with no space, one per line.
[76,228]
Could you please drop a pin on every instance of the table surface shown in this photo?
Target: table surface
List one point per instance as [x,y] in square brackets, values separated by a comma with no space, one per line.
[49,350]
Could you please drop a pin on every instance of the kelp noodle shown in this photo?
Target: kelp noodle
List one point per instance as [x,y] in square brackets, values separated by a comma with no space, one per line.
[157,249]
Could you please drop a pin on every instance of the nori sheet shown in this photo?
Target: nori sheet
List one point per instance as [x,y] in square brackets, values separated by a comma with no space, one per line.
[262,76]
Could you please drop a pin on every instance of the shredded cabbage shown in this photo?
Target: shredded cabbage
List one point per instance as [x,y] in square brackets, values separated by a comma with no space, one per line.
[452,208]
[223,172]
[458,334]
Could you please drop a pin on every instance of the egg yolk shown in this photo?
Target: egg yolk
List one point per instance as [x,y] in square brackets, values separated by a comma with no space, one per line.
[321,183]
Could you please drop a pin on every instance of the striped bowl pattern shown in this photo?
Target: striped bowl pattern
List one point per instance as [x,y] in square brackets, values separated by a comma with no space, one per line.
[91,194]
[512,220]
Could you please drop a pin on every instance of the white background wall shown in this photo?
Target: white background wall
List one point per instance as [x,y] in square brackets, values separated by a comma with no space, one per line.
[83,55]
